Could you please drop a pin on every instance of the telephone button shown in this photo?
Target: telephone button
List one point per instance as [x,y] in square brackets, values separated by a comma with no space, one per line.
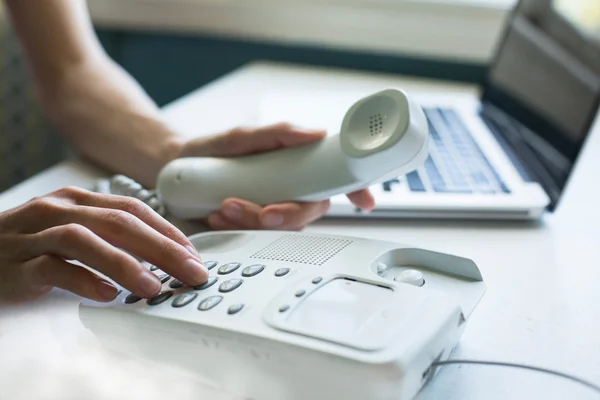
[281,272]
[300,293]
[317,280]
[132,298]
[234,309]
[156,300]
[184,299]
[228,268]
[176,284]
[284,308]
[411,276]
[230,285]
[211,281]
[252,270]
[209,303]
[153,268]
[163,278]
[210,264]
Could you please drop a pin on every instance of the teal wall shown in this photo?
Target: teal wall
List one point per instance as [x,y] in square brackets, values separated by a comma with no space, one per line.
[169,66]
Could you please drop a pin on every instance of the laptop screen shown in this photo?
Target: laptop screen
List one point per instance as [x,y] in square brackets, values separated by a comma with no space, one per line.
[546,75]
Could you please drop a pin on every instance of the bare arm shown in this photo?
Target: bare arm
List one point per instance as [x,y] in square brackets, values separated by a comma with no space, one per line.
[104,113]
[96,105]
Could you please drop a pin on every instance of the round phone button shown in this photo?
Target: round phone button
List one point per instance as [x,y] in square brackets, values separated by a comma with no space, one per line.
[411,276]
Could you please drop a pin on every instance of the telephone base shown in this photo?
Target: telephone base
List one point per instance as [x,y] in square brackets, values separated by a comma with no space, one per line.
[292,315]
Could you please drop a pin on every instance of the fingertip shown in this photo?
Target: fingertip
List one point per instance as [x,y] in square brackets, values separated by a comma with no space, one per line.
[362,199]
[313,133]
[217,222]
[149,285]
[195,273]
[271,219]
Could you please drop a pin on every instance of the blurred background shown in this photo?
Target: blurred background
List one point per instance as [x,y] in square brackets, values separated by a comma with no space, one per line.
[173,47]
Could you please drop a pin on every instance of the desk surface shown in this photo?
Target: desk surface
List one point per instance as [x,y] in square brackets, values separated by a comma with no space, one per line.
[542,306]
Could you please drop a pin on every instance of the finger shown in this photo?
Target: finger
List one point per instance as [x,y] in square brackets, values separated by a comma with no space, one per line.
[240,213]
[76,242]
[135,207]
[57,209]
[292,215]
[126,231]
[242,141]
[362,199]
[52,271]
[218,222]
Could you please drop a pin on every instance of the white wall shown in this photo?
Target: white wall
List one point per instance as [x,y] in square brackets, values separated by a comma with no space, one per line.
[463,30]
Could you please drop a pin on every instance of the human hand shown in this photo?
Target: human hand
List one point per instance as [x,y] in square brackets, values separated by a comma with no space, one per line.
[37,239]
[238,213]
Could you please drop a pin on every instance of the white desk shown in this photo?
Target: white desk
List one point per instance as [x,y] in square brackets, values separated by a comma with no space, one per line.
[542,306]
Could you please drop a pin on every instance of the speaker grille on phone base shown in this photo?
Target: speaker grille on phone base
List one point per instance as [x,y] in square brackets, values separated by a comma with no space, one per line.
[314,250]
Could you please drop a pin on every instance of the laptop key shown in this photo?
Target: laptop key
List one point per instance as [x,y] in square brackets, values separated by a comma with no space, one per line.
[387,185]
[436,179]
[414,182]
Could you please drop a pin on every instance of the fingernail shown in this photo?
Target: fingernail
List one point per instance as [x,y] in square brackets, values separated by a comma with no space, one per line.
[193,252]
[106,290]
[272,220]
[196,272]
[233,211]
[149,285]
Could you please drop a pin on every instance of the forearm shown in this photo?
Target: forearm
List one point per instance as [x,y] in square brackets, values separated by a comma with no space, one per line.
[96,105]
[108,118]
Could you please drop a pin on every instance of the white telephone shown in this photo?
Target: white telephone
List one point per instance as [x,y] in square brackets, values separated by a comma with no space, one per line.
[290,315]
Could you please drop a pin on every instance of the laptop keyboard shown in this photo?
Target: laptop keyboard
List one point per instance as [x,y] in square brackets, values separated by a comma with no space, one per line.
[455,164]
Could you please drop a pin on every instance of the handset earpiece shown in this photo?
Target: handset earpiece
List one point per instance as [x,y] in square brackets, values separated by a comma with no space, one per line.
[386,134]
[382,136]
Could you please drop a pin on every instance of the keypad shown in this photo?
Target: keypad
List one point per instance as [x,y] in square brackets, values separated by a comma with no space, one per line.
[230,285]
[209,303]
[184,299]
[282,272]
[228,268]
[252,270]
[156,300]
[211,281]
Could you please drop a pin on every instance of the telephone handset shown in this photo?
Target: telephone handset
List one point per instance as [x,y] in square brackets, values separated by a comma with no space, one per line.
[294,315]
[382,136]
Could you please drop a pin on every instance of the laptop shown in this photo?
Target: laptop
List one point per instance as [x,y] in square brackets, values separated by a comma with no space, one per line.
[505,155]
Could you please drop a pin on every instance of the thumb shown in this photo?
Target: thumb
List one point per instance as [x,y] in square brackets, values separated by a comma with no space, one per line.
[243,141]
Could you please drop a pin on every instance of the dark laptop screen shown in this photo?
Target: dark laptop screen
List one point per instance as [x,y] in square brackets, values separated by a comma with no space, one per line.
[546,75]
